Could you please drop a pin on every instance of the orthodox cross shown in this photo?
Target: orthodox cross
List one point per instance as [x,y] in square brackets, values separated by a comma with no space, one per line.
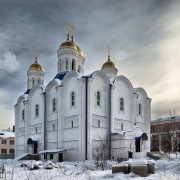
[109,48]
[72,29]
[36,50]
[68,27]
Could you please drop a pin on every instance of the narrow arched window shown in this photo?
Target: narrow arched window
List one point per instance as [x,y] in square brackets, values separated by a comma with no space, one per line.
[72,124]
[73,65]
[121,104]
[121,126]
[39,81]
[60,65]
[33,81]
[79,69]
[23,114]
[99,123]
[53,126]
[54,105]
[36,130]
[37,110]
[98,98]
[66,64]
[72,98]
[140,109]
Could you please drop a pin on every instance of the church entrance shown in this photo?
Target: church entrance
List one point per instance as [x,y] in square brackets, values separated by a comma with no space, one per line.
[35,148]
[138,142]
[60,157]
[34,145]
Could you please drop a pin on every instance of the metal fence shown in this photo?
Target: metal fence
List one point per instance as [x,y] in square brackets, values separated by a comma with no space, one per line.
[6,156]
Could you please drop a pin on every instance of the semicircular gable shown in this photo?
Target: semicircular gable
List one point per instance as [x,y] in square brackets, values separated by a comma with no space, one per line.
[142,91]
[33,89]
[20,99]
[102,75]
[53,83]
[124,80]
[69,76]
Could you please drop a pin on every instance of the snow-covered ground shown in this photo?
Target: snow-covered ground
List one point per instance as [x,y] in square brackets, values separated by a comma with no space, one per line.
[164,170]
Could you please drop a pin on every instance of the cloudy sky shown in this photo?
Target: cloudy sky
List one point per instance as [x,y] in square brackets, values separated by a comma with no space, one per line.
[144,36]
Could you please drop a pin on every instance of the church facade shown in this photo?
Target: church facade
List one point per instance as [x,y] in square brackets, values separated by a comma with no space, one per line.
[76,113]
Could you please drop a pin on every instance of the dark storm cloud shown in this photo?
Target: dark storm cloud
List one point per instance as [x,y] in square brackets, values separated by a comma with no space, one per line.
[134,29]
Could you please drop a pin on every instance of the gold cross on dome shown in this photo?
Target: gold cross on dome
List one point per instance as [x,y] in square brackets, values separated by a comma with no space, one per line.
[72,29]
[109,48]
[68,27]
[36,50]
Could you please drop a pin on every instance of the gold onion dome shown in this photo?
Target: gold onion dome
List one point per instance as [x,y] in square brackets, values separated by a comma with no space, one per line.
[36,66]
[68,44]
[108,64]
[80,52]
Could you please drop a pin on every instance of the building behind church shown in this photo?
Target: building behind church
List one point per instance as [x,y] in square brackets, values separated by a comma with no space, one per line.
[75,112]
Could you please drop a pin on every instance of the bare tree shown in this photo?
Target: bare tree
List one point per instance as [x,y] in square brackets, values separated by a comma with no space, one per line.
[100,153]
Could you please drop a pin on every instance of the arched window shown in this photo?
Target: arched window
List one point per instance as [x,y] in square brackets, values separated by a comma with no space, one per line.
[53,126]
[98,98]
[39,81]
[36,130]
[54,105]
[79,69]
[140,109]
[72,98]
[37,110]
[73,65]
[66,64]
[99,123]
[72,125]
[60,65]
[23,114]
[121,104]
[33,81]
[121,126]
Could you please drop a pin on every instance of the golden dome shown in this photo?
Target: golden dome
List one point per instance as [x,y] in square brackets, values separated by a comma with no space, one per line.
[68,44]
[108,64]
[80,52]
[36,66]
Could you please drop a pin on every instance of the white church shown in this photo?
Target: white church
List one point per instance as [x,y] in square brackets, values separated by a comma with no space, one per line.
[76,113]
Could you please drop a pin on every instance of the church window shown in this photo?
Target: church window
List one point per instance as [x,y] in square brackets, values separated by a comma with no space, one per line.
[53,127]
[37,110]
[72,98]
[66,64]
[36,130]
[140,109]
[72,124]
[98,98]
[33,82]
[60,65]
[39,81]
[79,69]
[99,123]
[121,126]
[121,104]
[73,65]
[23,114]
[54,105]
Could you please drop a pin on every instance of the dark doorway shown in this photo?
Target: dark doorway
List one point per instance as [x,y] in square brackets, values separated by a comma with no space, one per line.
[138,145]
[35,148]
[60,157]
[130,154]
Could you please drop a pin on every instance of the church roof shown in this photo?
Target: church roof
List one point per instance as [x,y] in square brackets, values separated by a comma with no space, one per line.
[61,75]
[166,120]
[27,91]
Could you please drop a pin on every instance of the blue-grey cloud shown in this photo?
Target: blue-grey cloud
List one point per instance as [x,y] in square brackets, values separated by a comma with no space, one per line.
[143,36]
